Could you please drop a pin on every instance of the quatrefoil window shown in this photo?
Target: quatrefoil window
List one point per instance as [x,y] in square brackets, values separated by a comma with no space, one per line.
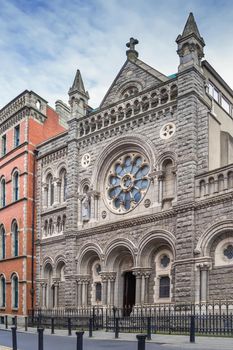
[167,131]
[86,160]
[127,182]
[165,261]
[228,252]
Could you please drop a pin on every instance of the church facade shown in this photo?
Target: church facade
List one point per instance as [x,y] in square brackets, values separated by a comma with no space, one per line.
[134,200]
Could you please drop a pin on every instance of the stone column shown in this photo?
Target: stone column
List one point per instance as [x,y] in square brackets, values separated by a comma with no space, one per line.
[104,279]
[43,296]
[56,291]
[79,292]
[145,293]
[45,195]
[138,276]
[160,186]
[56,183]
[204,268]
[112,279]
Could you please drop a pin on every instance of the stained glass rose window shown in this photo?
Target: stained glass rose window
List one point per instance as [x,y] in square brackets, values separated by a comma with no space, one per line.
[127,181]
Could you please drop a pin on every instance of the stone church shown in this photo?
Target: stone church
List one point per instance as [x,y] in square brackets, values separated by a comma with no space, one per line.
[135,198]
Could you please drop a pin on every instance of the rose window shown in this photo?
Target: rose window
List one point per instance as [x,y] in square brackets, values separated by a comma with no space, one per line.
[127,182]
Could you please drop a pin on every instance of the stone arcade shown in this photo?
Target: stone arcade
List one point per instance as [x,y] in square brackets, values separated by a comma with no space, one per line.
[135,199]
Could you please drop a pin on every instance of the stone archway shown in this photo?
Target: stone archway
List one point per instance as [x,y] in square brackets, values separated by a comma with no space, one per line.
[120,262]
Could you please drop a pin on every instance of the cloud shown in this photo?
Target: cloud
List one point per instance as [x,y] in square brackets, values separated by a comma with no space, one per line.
[42,42]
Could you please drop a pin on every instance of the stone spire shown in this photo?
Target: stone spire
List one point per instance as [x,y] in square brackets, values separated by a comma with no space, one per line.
[132,54]
[78,97]
[190,45]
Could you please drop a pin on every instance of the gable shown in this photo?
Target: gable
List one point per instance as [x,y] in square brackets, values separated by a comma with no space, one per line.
[133,78]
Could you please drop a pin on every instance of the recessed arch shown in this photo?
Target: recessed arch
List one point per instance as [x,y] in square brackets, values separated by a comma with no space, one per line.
[208,237]
[119,247]
[154,239]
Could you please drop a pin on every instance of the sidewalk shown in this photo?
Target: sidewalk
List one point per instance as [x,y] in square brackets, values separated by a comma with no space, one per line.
[174,341]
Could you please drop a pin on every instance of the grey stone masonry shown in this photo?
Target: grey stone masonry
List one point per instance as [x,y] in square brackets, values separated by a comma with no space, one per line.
[136,204]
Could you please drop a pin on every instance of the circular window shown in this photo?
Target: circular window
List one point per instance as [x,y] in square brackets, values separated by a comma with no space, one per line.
[127,182]
[167,131]
[86,160]
[165,261]
[228,252]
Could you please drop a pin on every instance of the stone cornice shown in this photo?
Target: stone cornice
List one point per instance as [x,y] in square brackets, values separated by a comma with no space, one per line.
[54,154]
[145,219]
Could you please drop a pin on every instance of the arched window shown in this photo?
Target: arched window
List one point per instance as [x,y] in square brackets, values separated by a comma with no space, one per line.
[59,225]
[230,179]
[16,186]
[220,183]
[63,222]
[164,287]
[168,184]
[50,189]
[173,92]
[2,242]
[2,291]
[15,291]
[63,186]
[46,227]
[15,238]
[202,188]
[3,193]
[50,226]
[211,185]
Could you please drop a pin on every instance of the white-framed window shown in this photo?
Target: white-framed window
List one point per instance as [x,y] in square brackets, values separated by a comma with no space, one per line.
[15,238]
[15,179]
[2,242]
[3,145]
[17,136]
[225,104]
[2,291]
[3,192]
[15,291]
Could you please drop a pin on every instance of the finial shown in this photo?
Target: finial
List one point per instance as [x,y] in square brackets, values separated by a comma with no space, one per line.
[132,53]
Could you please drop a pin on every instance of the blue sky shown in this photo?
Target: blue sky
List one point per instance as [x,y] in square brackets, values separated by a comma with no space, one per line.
[44,42]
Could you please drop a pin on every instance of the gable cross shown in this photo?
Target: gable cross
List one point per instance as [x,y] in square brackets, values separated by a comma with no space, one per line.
[131,44]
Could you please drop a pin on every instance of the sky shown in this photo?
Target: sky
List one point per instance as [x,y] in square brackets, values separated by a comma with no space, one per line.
[44,42]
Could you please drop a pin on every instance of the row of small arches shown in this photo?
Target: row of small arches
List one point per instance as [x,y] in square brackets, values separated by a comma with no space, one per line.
[215,184]
[125,111]
[52,227]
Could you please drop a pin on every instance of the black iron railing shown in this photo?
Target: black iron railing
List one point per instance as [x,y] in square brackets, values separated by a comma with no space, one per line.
[214,318]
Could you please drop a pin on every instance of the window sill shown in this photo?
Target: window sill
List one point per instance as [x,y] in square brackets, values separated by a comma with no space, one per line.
[14,308]
[2,308]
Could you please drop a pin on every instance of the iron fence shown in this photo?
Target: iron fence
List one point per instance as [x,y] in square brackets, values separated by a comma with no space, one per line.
[214,318]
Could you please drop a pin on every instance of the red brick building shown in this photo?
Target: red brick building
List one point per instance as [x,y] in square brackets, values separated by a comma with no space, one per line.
[24,122]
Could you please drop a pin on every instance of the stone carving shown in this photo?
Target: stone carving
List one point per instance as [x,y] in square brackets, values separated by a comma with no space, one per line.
[86,208]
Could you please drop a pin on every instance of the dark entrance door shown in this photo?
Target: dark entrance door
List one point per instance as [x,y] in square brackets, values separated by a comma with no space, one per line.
[129,292]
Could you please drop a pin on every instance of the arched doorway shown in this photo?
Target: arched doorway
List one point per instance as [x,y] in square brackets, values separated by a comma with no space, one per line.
[129,291]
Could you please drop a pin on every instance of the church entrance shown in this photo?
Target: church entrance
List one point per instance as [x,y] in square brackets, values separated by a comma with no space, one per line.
[129,292]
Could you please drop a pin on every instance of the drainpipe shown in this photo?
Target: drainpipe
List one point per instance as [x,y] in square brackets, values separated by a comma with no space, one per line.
[33,227]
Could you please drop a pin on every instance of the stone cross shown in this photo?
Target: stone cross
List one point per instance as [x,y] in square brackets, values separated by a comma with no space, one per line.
[131,44]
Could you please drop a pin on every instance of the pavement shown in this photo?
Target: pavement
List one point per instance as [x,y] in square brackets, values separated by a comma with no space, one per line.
[165,341]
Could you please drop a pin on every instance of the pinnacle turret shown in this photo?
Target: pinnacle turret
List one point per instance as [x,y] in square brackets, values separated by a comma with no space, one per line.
[190,45]
[78,96]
